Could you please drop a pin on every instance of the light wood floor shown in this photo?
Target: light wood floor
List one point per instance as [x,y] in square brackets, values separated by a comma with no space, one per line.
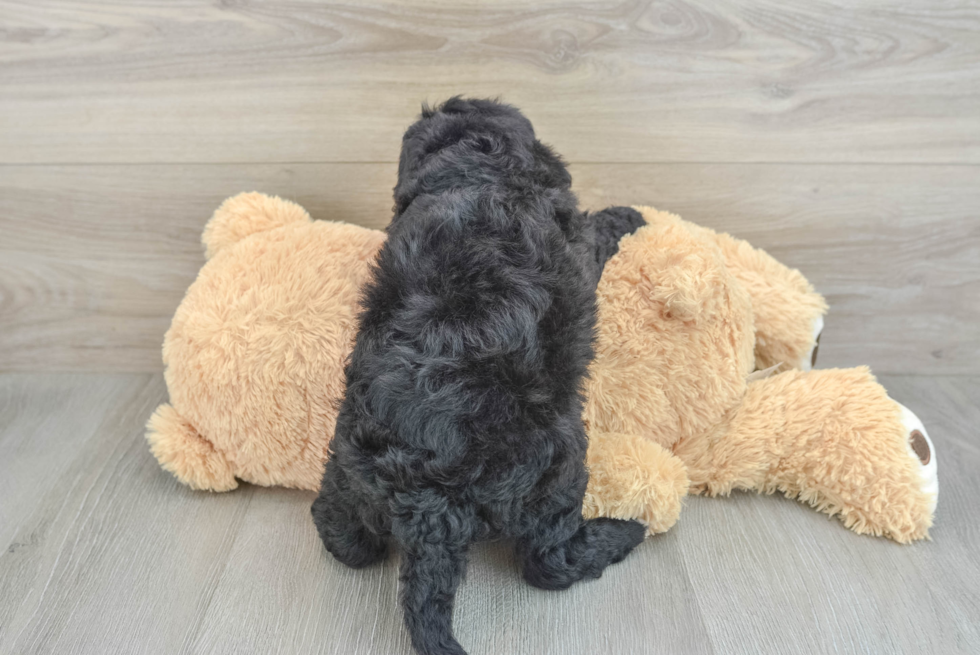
[103,552]
[844,137]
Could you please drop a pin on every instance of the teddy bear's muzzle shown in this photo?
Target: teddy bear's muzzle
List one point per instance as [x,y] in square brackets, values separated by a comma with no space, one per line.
[920,446]
[922,451]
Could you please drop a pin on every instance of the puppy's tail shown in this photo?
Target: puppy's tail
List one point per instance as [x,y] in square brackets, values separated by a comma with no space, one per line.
[434,545]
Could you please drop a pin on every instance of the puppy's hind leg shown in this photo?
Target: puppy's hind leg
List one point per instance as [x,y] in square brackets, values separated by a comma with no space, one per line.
[341,529]
[565,548]
[434,540]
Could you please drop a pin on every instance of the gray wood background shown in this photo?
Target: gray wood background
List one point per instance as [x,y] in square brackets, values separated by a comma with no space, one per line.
[844,137]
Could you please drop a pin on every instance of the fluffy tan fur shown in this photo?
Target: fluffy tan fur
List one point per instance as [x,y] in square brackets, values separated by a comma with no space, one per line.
[784,304]
[634,478]
[247,214]
[674,338]
[832,438]
[256,351]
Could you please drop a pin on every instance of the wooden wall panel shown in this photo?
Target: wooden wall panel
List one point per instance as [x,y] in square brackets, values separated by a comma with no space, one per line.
[302,80]
[94,259]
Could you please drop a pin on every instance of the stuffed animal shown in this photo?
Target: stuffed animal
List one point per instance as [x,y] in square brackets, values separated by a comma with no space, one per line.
[675,402]
[686,316]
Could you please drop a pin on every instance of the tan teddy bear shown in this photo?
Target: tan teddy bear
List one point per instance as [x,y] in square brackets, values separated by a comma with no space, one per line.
[685,317]
[256,350]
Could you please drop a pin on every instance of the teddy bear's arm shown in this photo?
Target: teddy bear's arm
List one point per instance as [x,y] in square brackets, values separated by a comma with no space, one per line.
[832,438]
[634,478]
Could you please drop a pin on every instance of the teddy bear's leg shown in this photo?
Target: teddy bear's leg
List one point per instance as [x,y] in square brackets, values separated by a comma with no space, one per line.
[832,438]
[634,478]
[187,455]
[788,311]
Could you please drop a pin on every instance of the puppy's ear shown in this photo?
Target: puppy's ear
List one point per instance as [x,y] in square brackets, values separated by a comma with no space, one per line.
[611,225]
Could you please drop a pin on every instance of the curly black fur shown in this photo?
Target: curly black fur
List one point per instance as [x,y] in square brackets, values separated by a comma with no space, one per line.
[462,414]
[611,225]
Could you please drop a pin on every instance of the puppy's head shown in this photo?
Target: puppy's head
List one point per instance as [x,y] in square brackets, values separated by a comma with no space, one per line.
[465,143]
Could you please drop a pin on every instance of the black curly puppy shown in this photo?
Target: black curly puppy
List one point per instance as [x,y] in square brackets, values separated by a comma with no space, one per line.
[610,225]
[462,414]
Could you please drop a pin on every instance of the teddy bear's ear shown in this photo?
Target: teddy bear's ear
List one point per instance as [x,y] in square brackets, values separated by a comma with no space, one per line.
[245,214]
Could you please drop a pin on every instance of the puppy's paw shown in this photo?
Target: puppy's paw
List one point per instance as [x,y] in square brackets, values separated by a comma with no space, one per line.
[620,537]
[350,543]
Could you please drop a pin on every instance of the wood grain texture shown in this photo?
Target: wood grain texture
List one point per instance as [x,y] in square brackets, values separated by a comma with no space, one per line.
[34,443]
[109,554]
[842,137]
[95,259]
[112,557]
[778,577]
[637,81]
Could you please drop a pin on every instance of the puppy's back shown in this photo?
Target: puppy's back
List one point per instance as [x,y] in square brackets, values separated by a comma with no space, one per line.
[462,414]
[476,334]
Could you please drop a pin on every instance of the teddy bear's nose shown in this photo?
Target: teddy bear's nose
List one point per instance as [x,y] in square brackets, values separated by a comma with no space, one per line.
[920,446]
[816,347]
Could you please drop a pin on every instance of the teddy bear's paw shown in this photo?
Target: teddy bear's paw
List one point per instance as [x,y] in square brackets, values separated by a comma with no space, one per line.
[186,454]
[922,453]
[631,477]
[810,360]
